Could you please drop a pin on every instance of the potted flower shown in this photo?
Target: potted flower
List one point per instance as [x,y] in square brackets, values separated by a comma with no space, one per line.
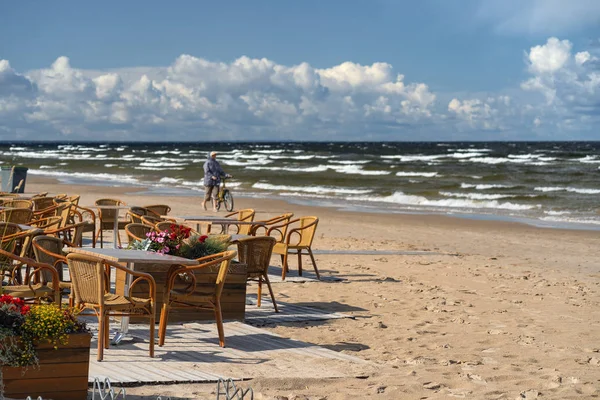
[44,351]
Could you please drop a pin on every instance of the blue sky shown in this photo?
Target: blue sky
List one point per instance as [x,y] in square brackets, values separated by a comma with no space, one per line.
[320,70]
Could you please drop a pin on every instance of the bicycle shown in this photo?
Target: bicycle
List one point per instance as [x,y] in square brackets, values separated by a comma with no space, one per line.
[225,196]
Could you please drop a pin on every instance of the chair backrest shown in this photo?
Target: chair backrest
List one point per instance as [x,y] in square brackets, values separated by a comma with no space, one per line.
[87,277]
[74,199]
[151,220]
[7,230]
[136,231]
[218,263]
[16,215]
[18,203]
[255,252]
[39,203]
[47,223]
[159,209]
[282,219]
[309,225]
[135,214]
[48,249]
[108,215]
[163,226]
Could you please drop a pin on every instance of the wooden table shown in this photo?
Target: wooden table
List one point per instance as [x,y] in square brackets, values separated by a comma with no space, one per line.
[213,220]
[134,260]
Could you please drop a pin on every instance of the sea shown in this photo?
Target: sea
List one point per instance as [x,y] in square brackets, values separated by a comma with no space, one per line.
[547,184]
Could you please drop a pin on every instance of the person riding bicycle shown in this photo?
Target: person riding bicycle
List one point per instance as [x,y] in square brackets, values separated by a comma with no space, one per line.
[212,179]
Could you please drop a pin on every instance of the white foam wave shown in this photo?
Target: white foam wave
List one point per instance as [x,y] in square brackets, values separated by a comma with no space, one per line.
[309,189]
[423,174]
[89,176]
[419,157]
[169,180]
[355,169]
[567,189]
[484,186]
[589,160]
[404,199]
[477,196]
[349,162]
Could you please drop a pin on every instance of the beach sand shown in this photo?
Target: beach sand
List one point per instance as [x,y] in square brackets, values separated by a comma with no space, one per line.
[492,310]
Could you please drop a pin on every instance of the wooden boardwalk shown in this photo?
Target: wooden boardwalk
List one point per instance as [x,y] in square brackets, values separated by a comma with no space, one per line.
[191,353]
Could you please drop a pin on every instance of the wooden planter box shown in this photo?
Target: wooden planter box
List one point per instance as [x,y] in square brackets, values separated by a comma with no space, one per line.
[61,375]
[233,298]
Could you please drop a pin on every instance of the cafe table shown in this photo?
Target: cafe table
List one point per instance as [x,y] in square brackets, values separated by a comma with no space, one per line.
[131,258]
[116,222]
[213,220]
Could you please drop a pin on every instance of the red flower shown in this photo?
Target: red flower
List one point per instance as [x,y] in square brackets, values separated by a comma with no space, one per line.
[202,238]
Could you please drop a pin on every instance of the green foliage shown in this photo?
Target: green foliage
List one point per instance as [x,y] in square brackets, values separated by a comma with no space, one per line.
[200,246]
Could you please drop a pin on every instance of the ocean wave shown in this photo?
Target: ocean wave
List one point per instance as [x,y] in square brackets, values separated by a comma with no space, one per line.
[420,157]
[87,176]
[567,189]
[404,199]
[356,170]
[423,174]
[468,150]
[290,157]
[349,162]
[478,196]
[481,186]
[309,189]
[589,160]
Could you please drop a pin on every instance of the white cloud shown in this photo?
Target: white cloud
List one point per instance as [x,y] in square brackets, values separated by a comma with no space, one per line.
[247,99]
[195,95]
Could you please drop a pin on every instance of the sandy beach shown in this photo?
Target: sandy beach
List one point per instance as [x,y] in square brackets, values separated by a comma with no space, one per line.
[486,310]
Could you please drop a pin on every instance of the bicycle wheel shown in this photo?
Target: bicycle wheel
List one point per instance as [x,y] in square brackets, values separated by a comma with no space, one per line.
[228,200]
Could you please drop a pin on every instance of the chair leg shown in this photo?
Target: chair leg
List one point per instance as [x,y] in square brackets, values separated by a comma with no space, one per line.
[271,291]
[314,263]
[259,290]
[299,262]
[99,235]
[100,337]
[106,332]
[219,318]
[284,265]
[162,326]
[152,322]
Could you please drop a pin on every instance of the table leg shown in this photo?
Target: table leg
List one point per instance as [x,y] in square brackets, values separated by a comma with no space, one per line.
[120,335]
[116,231]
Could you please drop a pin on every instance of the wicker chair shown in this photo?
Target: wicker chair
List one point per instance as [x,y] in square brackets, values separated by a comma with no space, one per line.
[299,237]
[47,223]
[159,209]
[151,220]
[137,231]
[90,291]
[39,203]
[261,230]
[246,215]
[135,214]
[40,281]
[255,252]
[192,296]
[16,215]
[19,203]
[48,250]
[72,235]
[81,214]
[107,219]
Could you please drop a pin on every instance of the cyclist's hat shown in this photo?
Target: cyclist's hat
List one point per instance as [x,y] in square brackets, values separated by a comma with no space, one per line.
[213,153]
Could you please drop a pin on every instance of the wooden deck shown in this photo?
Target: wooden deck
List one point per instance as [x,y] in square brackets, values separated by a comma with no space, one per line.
[191,353]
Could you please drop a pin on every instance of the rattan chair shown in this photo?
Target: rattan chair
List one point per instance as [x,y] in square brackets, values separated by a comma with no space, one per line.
[19,203]
[137,231]
[39,203]
[261,230]
[49,250]
[16,215]
[159,209]
[107,219]
[299,237]
[39,282]
[47,223]
[72,235]
[182,292]
[90,291]
[151,220]
[135,214]
[81,214]
[246,215]
[255,252]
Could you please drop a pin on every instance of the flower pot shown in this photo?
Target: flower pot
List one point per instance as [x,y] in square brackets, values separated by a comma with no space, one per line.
[62,373]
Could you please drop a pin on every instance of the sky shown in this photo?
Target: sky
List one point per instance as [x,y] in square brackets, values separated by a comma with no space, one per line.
[325,70]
